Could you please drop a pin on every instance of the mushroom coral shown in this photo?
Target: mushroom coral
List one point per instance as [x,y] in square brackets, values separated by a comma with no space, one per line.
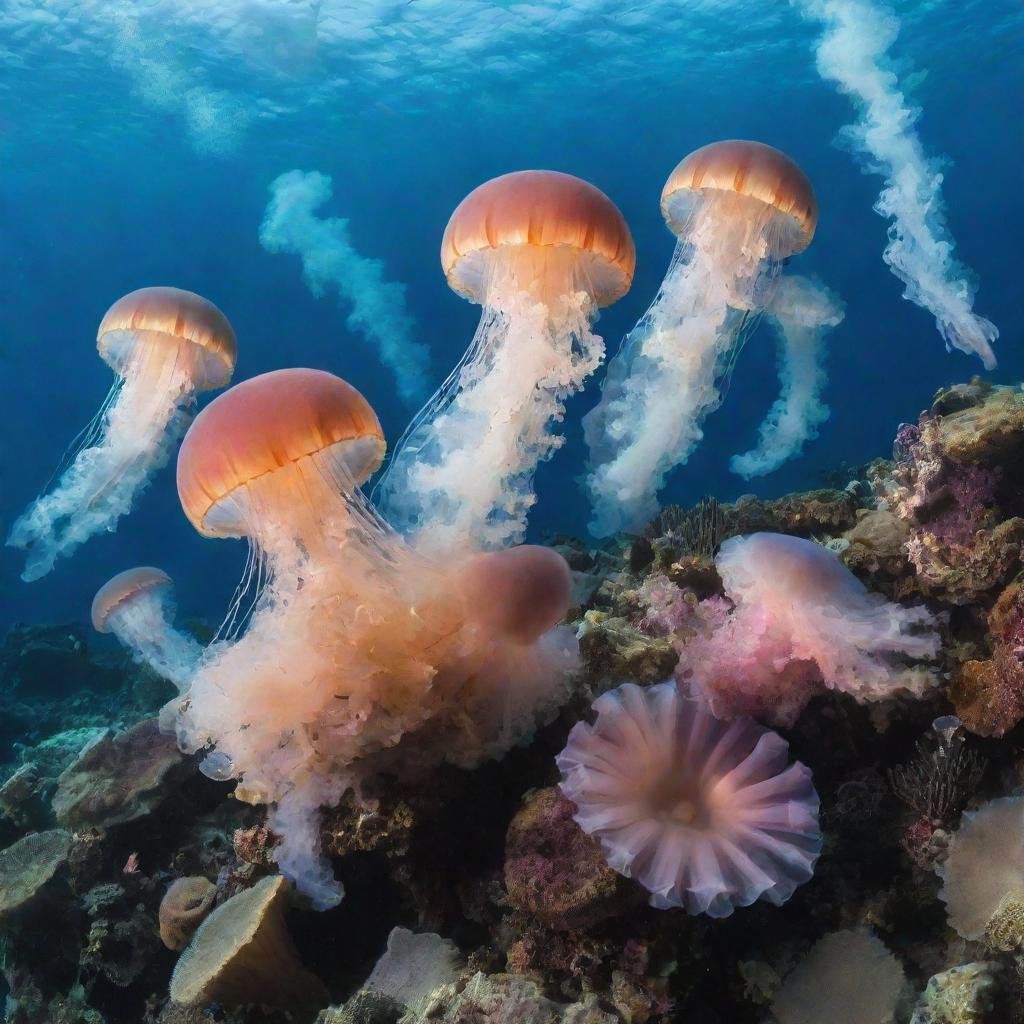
[983,875]
[704,814]
[360,654]
[802,621]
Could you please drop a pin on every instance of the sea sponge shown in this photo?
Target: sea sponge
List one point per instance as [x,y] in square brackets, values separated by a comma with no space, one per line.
[848,977]
[802,621]
[183,909]
[983,875]
[704,814]
[243,954]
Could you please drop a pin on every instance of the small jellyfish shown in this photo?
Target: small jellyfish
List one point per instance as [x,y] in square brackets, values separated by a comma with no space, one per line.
[137,606]
[802,311]
[738,209]
[164,345]
[540,251]
[359,655]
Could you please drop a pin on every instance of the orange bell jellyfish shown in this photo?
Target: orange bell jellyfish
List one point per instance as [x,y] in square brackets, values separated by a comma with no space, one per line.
[360,655]
[137,606]
[540,251]
[738,210]
[164,345]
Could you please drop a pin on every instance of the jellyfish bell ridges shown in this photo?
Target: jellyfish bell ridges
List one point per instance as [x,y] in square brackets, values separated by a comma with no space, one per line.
[540,251]
[738,209]
[137,606]
[360,655]
[164,345]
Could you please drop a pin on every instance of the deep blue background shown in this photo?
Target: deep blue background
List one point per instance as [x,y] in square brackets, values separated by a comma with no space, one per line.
[102,205]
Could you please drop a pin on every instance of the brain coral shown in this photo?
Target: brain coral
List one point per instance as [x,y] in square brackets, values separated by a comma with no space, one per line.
[983,874]
[704,814]
[802,621]
[848,977]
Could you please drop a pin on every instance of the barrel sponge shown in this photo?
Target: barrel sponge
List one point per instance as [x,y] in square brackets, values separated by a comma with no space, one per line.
[848,977]
[183,909]
[983,875]
[242,954]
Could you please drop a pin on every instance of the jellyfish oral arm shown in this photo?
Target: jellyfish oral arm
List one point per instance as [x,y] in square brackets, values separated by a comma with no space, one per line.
[801,313]
[853,53]
[140,430]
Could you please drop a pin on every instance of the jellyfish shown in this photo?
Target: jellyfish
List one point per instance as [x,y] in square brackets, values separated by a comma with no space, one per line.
[738,209]
[801,311]
[540,251]
[137,606]
[164,345]
[802,622]
[360,655]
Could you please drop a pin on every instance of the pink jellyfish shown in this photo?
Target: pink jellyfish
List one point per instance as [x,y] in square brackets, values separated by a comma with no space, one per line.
[164,345]
[802,622]
[704,814]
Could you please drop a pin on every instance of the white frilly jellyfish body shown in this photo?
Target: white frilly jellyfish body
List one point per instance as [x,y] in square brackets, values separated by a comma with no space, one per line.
[165,345]
[137,606]
[801,311]
[738,210]
[540,251]
[705,815]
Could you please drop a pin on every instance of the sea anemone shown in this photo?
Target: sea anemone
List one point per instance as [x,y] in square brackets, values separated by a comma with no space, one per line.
[704,814]
[802,621]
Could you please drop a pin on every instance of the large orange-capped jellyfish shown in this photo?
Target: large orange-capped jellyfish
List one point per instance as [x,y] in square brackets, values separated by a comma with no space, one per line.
[360,655]
[164,345]
[738,209]
[540,251]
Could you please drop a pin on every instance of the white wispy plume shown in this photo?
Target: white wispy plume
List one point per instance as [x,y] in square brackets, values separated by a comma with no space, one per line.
[853,53]
[378,311]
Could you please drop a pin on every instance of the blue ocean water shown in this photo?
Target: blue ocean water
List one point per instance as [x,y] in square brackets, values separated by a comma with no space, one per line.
[138,143]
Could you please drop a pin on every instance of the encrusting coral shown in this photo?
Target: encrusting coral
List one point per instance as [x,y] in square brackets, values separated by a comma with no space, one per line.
[704,815]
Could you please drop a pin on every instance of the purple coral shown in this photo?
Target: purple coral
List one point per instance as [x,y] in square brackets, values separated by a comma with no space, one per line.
[704,814]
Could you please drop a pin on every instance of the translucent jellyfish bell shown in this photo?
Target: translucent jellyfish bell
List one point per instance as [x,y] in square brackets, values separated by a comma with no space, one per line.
[738,210]
[540,251]
[165,345]
[137,606]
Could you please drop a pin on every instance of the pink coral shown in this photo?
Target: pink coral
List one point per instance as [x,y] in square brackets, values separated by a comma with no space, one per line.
[802,621]
[704,814]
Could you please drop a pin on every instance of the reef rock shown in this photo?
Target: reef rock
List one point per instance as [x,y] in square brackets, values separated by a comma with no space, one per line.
[119,778]
[612,648]
[961,995]
[555,872]
[808,514]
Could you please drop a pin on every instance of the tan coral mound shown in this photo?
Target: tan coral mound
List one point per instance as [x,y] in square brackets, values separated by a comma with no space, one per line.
[27,867]
[183,909]
[242,954]
[983,875]
[848,977]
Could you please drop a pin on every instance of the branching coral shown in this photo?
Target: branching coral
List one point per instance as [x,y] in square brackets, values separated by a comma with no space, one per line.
[705,815]
[802,621]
